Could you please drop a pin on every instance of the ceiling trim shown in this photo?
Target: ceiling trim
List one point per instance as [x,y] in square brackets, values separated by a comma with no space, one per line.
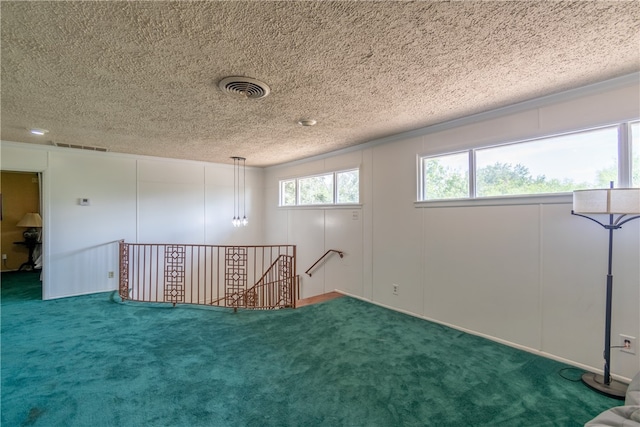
[542,101]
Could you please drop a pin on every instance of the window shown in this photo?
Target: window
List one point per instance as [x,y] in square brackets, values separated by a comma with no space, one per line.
[315,190]
[551,165]
[558,164]
[348,186]
[342,187]
[635,154]
[288,192]
[445,177]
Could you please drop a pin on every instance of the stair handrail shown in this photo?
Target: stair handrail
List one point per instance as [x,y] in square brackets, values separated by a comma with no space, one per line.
[320,259]
[268,270]
[261,281]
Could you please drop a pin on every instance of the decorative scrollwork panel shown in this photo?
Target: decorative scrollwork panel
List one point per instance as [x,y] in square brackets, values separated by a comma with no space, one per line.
[174,270]
[285,277]
[235,276]
[124,271]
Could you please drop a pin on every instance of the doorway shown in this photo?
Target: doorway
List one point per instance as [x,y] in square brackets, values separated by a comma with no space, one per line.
[20,199]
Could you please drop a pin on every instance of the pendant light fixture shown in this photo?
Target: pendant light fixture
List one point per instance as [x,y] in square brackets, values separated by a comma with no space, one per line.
[237,220]
[245,221]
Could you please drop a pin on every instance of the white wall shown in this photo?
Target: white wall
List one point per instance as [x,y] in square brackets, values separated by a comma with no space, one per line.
[79,249]
[139,199]
[528,275]
[316,230]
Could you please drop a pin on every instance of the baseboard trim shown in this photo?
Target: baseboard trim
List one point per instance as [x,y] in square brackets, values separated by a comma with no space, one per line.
[494,339]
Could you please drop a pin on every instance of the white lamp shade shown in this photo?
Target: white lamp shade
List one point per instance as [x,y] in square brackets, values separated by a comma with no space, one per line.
[607,201]
[30,220]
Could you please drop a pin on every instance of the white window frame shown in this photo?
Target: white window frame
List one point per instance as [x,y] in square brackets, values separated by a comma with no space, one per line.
[630,152]
[625,159]
[334,173]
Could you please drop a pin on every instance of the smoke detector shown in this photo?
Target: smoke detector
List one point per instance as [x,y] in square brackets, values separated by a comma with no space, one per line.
[244,87]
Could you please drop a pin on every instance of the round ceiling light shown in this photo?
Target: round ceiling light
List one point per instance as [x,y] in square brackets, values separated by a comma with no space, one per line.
[244,87]
[307,122]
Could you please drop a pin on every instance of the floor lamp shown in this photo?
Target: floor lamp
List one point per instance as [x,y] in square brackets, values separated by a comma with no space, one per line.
[612,202]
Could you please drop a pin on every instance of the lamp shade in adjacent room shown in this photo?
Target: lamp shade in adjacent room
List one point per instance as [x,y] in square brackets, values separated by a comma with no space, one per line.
[30,220]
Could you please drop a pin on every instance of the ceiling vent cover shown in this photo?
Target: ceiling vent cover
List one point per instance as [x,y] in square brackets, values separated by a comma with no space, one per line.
[79,147]
[244,87]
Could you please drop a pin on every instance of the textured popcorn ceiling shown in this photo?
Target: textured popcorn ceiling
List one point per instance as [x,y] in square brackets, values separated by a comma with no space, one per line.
[141,77]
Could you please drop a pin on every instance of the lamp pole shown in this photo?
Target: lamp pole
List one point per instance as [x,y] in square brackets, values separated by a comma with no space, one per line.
[609,298]
[603,383]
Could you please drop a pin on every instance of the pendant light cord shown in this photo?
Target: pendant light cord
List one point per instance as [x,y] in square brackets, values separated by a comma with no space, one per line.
[237,221]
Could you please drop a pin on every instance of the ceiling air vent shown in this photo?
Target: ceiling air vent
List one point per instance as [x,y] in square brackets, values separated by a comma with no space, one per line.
[79,147]
[244,87]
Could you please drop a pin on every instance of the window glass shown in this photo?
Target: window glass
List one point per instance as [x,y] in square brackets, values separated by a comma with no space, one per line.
[551,165]
[348,186]
[445,177]
[288,192]
[635,154]
[316,190]
[341,187]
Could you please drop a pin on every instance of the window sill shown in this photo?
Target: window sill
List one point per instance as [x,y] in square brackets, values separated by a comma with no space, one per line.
[332,206]
[528,199]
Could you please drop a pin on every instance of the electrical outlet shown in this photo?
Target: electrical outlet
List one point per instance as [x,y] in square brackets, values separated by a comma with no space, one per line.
[395,289]
[4,256]
[111,275]
[628,344]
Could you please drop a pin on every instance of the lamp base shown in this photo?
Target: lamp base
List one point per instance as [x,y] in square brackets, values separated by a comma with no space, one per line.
[614,389]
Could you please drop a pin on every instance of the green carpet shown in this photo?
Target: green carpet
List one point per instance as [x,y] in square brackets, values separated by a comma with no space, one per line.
[94,361]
